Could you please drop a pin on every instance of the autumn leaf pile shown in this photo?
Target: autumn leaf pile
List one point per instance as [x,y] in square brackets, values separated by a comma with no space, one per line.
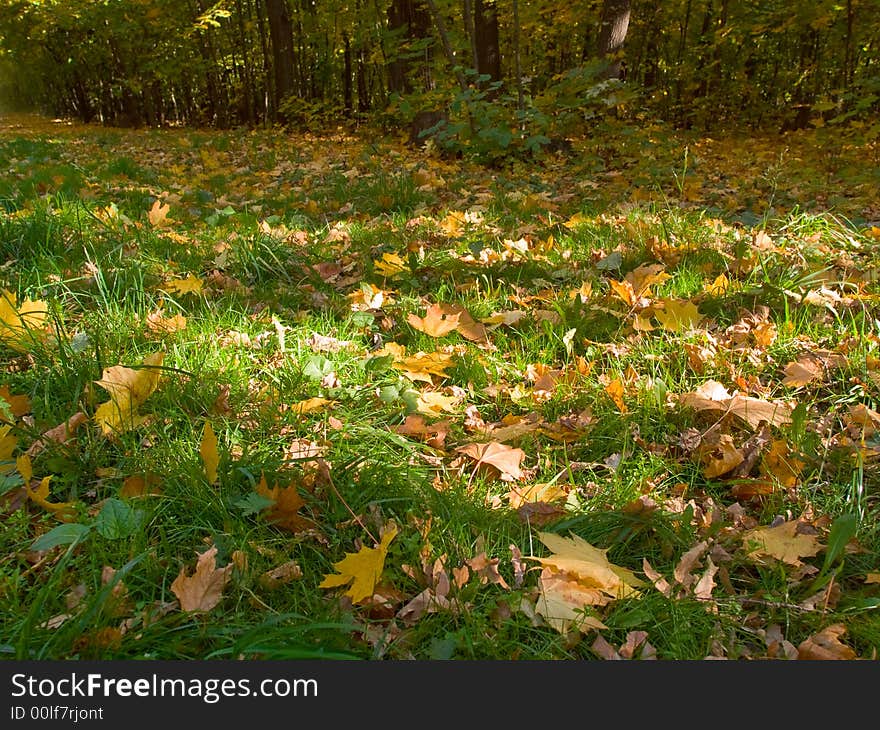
[266,396]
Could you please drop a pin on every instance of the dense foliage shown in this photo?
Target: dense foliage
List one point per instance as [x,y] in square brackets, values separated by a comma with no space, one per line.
[501,73]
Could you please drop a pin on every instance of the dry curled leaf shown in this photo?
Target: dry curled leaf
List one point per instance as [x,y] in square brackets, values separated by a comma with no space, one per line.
[203,590]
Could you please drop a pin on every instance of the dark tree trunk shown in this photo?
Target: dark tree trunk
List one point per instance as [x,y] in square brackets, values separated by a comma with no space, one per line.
[412,22]
[486,39]
[612,33]
[347,95]
[281,36]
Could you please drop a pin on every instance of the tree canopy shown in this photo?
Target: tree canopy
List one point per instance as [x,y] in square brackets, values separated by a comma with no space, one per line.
[513,72]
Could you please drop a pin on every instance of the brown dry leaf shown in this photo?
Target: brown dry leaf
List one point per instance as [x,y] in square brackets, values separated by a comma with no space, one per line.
[657,579]
[323,343]
[18,404]
[781,542]
[713,396]
[158,322]
[284,573]
[467,327]
[437,322]
[507,318]
[801,372]
[141,485]
[683,571]
[721,458]
[487,569]
[158,214]
[826,645]
[433,434]
[503,458]
[58,435]
[286,504]
[203,590]
[780,462]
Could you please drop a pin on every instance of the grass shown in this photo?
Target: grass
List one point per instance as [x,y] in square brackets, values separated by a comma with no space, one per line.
[289,250]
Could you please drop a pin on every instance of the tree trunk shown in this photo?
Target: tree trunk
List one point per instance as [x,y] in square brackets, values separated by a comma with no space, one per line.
[612,33]
[281,37]
[486,39]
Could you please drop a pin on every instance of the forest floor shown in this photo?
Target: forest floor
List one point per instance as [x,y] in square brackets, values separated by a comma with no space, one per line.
[279,395]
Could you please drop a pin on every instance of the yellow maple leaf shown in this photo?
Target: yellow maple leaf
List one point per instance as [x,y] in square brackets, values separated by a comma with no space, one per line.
[208,452]
[678,315]
[721,457]
[192,284]
[390,265]
[128,389]
[362,569]
[781,542]
[309,405]
[22,324]
[577,575]
[434,404]
[719,286]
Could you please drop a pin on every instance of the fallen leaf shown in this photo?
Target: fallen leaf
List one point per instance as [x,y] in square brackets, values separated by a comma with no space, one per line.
[285,507]
[157,215]
[487,569]
[802,372]
[140,485]
[826,645]
[281,575]
[780,462]
[208,452]
[18,404]
[713,396]
[58,435]
[128,389]
[678,315]
[437,322]
[615,389]
[158,322]
[21,325]
[721,458]
[505,459]
[192,284]
[431,403]
[562,602]
[361,569]
[204,589]
[781,542]
[309,405]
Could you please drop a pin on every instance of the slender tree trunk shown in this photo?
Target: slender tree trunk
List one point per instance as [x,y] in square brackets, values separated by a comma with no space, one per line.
[613,26]
[347,95]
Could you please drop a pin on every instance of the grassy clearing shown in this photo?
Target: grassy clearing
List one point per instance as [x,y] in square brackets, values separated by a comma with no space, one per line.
[614,286]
